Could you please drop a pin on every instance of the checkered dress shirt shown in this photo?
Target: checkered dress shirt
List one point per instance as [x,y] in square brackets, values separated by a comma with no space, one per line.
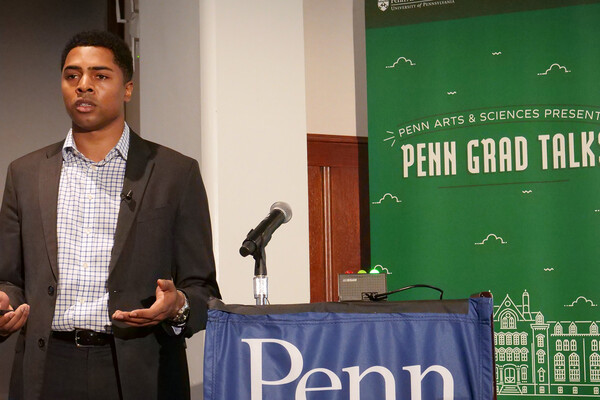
[89,198]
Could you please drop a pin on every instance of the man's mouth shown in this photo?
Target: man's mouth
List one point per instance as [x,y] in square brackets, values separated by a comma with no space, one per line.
[84,105]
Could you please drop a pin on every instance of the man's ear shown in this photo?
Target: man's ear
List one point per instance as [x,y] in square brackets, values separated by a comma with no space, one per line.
[128,91]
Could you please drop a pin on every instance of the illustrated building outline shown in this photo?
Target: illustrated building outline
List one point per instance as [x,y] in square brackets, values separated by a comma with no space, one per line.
[544,358]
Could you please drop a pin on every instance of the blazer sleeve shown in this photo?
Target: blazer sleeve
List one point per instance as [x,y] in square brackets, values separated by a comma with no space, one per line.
[193,263]
[11,265]
[11,261]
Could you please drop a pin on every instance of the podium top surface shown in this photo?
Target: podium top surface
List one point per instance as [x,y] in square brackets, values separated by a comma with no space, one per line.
[460,306]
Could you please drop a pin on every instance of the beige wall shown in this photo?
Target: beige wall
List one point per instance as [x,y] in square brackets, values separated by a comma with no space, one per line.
[253,125]
[335,67]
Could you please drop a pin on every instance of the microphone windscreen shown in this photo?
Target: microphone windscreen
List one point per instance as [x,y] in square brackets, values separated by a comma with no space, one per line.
[284,208]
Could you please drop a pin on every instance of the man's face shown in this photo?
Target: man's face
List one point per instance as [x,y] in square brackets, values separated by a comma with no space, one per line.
[94,89]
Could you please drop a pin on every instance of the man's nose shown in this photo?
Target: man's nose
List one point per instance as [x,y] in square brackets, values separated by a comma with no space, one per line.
[85,85]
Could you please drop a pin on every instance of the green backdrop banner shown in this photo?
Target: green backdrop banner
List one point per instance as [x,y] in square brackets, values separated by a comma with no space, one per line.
[484,149]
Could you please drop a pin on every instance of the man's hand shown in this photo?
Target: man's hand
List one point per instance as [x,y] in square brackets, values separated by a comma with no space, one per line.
[168,302]
[13,320]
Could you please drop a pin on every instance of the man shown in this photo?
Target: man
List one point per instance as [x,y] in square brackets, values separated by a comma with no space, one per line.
[105,248]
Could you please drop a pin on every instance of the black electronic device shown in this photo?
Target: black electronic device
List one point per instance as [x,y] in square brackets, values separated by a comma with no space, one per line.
[359,286]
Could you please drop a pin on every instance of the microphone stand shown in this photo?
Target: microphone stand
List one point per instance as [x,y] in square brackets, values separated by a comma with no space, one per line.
[260,281]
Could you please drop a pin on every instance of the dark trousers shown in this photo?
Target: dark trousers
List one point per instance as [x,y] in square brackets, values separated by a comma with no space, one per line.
[80,373]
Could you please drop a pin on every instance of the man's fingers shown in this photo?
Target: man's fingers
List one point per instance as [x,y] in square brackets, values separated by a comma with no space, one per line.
[19,321]
[165,284]
[15,320]
[151,313]
[5,319]
[134,316]
[21,315]
[140,316]
[130,320]
[23,308]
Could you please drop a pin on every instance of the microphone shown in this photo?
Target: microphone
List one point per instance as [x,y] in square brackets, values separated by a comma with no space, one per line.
[127,196]
[280,213]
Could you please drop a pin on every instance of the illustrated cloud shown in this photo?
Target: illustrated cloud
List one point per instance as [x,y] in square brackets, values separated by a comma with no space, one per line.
[590,302]
[491,235]
[552,66]
[388,195]
[406,60]
[387,271]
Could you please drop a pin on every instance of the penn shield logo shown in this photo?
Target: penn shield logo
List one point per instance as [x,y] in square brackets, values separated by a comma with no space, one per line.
[383,4]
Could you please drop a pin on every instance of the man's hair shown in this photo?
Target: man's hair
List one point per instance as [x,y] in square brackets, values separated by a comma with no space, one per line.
[108,40]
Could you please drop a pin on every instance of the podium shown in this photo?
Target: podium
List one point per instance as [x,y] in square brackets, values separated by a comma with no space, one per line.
[432,349]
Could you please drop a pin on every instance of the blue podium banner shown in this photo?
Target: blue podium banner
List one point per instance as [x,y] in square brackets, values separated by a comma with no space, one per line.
[402,350]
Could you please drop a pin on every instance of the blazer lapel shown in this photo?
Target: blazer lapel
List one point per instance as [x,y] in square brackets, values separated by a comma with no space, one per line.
[138,171]
[49,180]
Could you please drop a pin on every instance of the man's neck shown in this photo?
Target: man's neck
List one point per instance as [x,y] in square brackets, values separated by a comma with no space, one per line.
[95,145]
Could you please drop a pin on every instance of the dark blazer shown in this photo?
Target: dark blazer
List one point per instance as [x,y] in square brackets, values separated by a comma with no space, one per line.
[163,231]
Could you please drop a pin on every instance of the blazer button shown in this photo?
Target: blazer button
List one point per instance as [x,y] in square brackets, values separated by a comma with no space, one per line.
[51,290]
[41,343]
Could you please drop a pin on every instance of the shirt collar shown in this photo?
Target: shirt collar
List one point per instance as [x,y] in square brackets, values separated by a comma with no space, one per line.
[121,148]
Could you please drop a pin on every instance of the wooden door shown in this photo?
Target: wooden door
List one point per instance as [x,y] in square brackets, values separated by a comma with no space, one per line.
[338,192]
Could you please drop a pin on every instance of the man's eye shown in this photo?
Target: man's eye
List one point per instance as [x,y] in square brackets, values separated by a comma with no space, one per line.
[101,77]
[71,76]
